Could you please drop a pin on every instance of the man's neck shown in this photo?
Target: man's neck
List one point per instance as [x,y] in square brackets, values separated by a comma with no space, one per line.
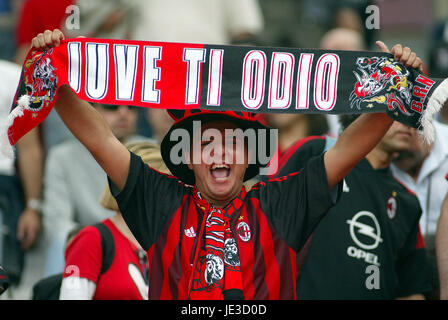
[221,203]
[379,158]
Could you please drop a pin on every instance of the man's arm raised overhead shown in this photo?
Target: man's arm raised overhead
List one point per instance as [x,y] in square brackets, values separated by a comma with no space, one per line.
[87,124]
[365,132]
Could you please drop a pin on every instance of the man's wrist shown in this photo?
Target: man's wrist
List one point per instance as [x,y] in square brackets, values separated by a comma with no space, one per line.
[34,204]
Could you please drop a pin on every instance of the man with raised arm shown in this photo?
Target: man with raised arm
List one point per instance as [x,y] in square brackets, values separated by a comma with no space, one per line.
[206,237]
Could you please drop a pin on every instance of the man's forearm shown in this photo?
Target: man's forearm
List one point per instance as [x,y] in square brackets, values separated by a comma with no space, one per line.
[354,144]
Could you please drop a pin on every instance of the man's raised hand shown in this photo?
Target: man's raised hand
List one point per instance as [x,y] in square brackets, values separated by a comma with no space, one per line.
[48,39]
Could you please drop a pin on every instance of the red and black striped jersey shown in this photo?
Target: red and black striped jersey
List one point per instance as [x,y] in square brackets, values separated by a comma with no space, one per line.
[271,223]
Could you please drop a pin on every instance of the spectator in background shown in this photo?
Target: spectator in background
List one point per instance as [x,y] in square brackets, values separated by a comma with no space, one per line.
[125,278]
[109,19]
[292,127]
[369,226]
[423,169]
[196,21]
[8,17]
[72,191]
[442,248]
[20,192]
[340,39]
[49,288]
[199,21]
[301,24]
[36,16]
[159,121]
[438,59]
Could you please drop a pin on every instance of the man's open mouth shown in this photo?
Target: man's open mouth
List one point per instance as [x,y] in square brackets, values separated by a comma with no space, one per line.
[220,171]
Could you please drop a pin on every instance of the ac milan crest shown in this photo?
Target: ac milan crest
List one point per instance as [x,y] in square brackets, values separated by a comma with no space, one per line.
[243,231]
[391,207]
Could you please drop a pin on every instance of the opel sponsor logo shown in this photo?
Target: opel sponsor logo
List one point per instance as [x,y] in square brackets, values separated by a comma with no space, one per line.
[365,230]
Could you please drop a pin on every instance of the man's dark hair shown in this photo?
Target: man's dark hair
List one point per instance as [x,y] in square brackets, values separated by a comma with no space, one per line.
[317,124]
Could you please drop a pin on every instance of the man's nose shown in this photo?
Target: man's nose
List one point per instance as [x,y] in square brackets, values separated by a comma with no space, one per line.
[222,152]
[122,109]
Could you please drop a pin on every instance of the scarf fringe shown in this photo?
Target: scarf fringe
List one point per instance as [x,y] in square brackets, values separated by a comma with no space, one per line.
[435,103]
[6,147]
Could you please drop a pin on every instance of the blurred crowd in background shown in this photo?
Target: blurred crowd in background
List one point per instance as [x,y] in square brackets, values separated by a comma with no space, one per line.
[56,183]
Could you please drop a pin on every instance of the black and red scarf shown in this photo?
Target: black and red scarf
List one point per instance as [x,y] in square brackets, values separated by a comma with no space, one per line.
[216,271]
[217,77]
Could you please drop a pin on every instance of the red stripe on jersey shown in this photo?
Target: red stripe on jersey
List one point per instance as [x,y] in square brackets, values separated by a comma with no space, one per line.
[407,189]
[273,272]
[161,255]
[168,253]
[270,260]
[190,236]
[420,241]
[247,257]
[150,254]
[293,257]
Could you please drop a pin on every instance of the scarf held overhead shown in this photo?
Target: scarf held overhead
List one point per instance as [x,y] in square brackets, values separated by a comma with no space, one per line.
[216,77]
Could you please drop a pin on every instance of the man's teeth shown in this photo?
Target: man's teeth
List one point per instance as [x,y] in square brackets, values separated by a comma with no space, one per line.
[220,171]
[219,166]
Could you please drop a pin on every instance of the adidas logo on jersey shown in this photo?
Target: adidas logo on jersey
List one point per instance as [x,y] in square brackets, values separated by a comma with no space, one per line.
[190,232]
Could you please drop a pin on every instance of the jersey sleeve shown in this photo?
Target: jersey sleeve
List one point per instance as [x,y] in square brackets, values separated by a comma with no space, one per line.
[413,271]
[148,200]
[83,256]
[297,202]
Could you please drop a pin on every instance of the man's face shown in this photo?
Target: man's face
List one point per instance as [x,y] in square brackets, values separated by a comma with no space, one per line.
[398,138]
[121,119]
[411,159]
[219,171]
